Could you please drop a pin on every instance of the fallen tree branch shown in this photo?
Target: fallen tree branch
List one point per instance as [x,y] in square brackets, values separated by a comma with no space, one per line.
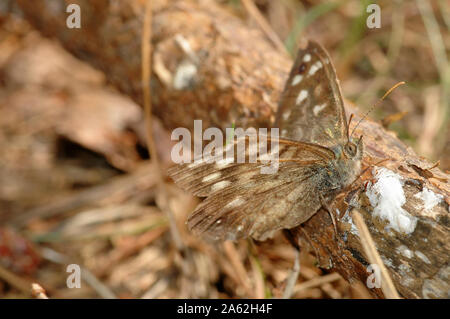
[209,65]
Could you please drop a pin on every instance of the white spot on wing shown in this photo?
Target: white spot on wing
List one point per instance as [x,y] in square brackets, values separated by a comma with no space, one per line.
[315,67]
[297,79]
[307,57]
[224,162]
[220,185]
[301,96]
[235,203]
[387,198]
[319,108]
[286,115]
[211,177]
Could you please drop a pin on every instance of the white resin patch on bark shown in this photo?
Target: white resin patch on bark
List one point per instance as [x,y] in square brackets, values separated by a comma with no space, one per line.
[184,75]
[433,287]
[422,256]
[403,250]
[430,200]
[387,198]
[387,261]
[348,219]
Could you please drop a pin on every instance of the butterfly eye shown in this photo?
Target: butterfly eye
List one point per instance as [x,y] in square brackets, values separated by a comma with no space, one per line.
[350,148]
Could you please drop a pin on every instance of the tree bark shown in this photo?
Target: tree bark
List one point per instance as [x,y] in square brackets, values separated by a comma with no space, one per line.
[209,65]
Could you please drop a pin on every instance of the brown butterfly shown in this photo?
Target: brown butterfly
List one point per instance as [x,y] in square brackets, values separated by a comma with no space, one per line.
[317,159]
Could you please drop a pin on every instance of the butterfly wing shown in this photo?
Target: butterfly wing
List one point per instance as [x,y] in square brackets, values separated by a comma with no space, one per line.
[240,201]
[243,202]
[311,108]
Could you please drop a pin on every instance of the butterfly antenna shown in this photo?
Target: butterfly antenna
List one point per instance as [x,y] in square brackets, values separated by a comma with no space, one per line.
[376,104]
[348,125]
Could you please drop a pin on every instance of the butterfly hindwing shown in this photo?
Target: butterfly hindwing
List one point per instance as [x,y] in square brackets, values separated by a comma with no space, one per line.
[241,201]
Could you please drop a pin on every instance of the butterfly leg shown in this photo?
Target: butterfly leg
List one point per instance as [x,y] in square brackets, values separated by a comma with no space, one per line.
[293,276]
[330,212]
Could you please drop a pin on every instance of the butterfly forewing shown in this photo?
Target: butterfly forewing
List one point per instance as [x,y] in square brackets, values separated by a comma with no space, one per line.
[311,108]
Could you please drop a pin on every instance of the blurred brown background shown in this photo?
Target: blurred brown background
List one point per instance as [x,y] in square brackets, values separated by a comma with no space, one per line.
[73,155]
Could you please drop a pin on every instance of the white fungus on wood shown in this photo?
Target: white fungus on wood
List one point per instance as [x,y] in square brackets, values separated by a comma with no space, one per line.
[185,76]
[422,256]
[348,219]
[404,251]
[430,200]
[387,197]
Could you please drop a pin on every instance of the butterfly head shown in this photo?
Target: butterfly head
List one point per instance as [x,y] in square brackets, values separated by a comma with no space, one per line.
[353,149]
